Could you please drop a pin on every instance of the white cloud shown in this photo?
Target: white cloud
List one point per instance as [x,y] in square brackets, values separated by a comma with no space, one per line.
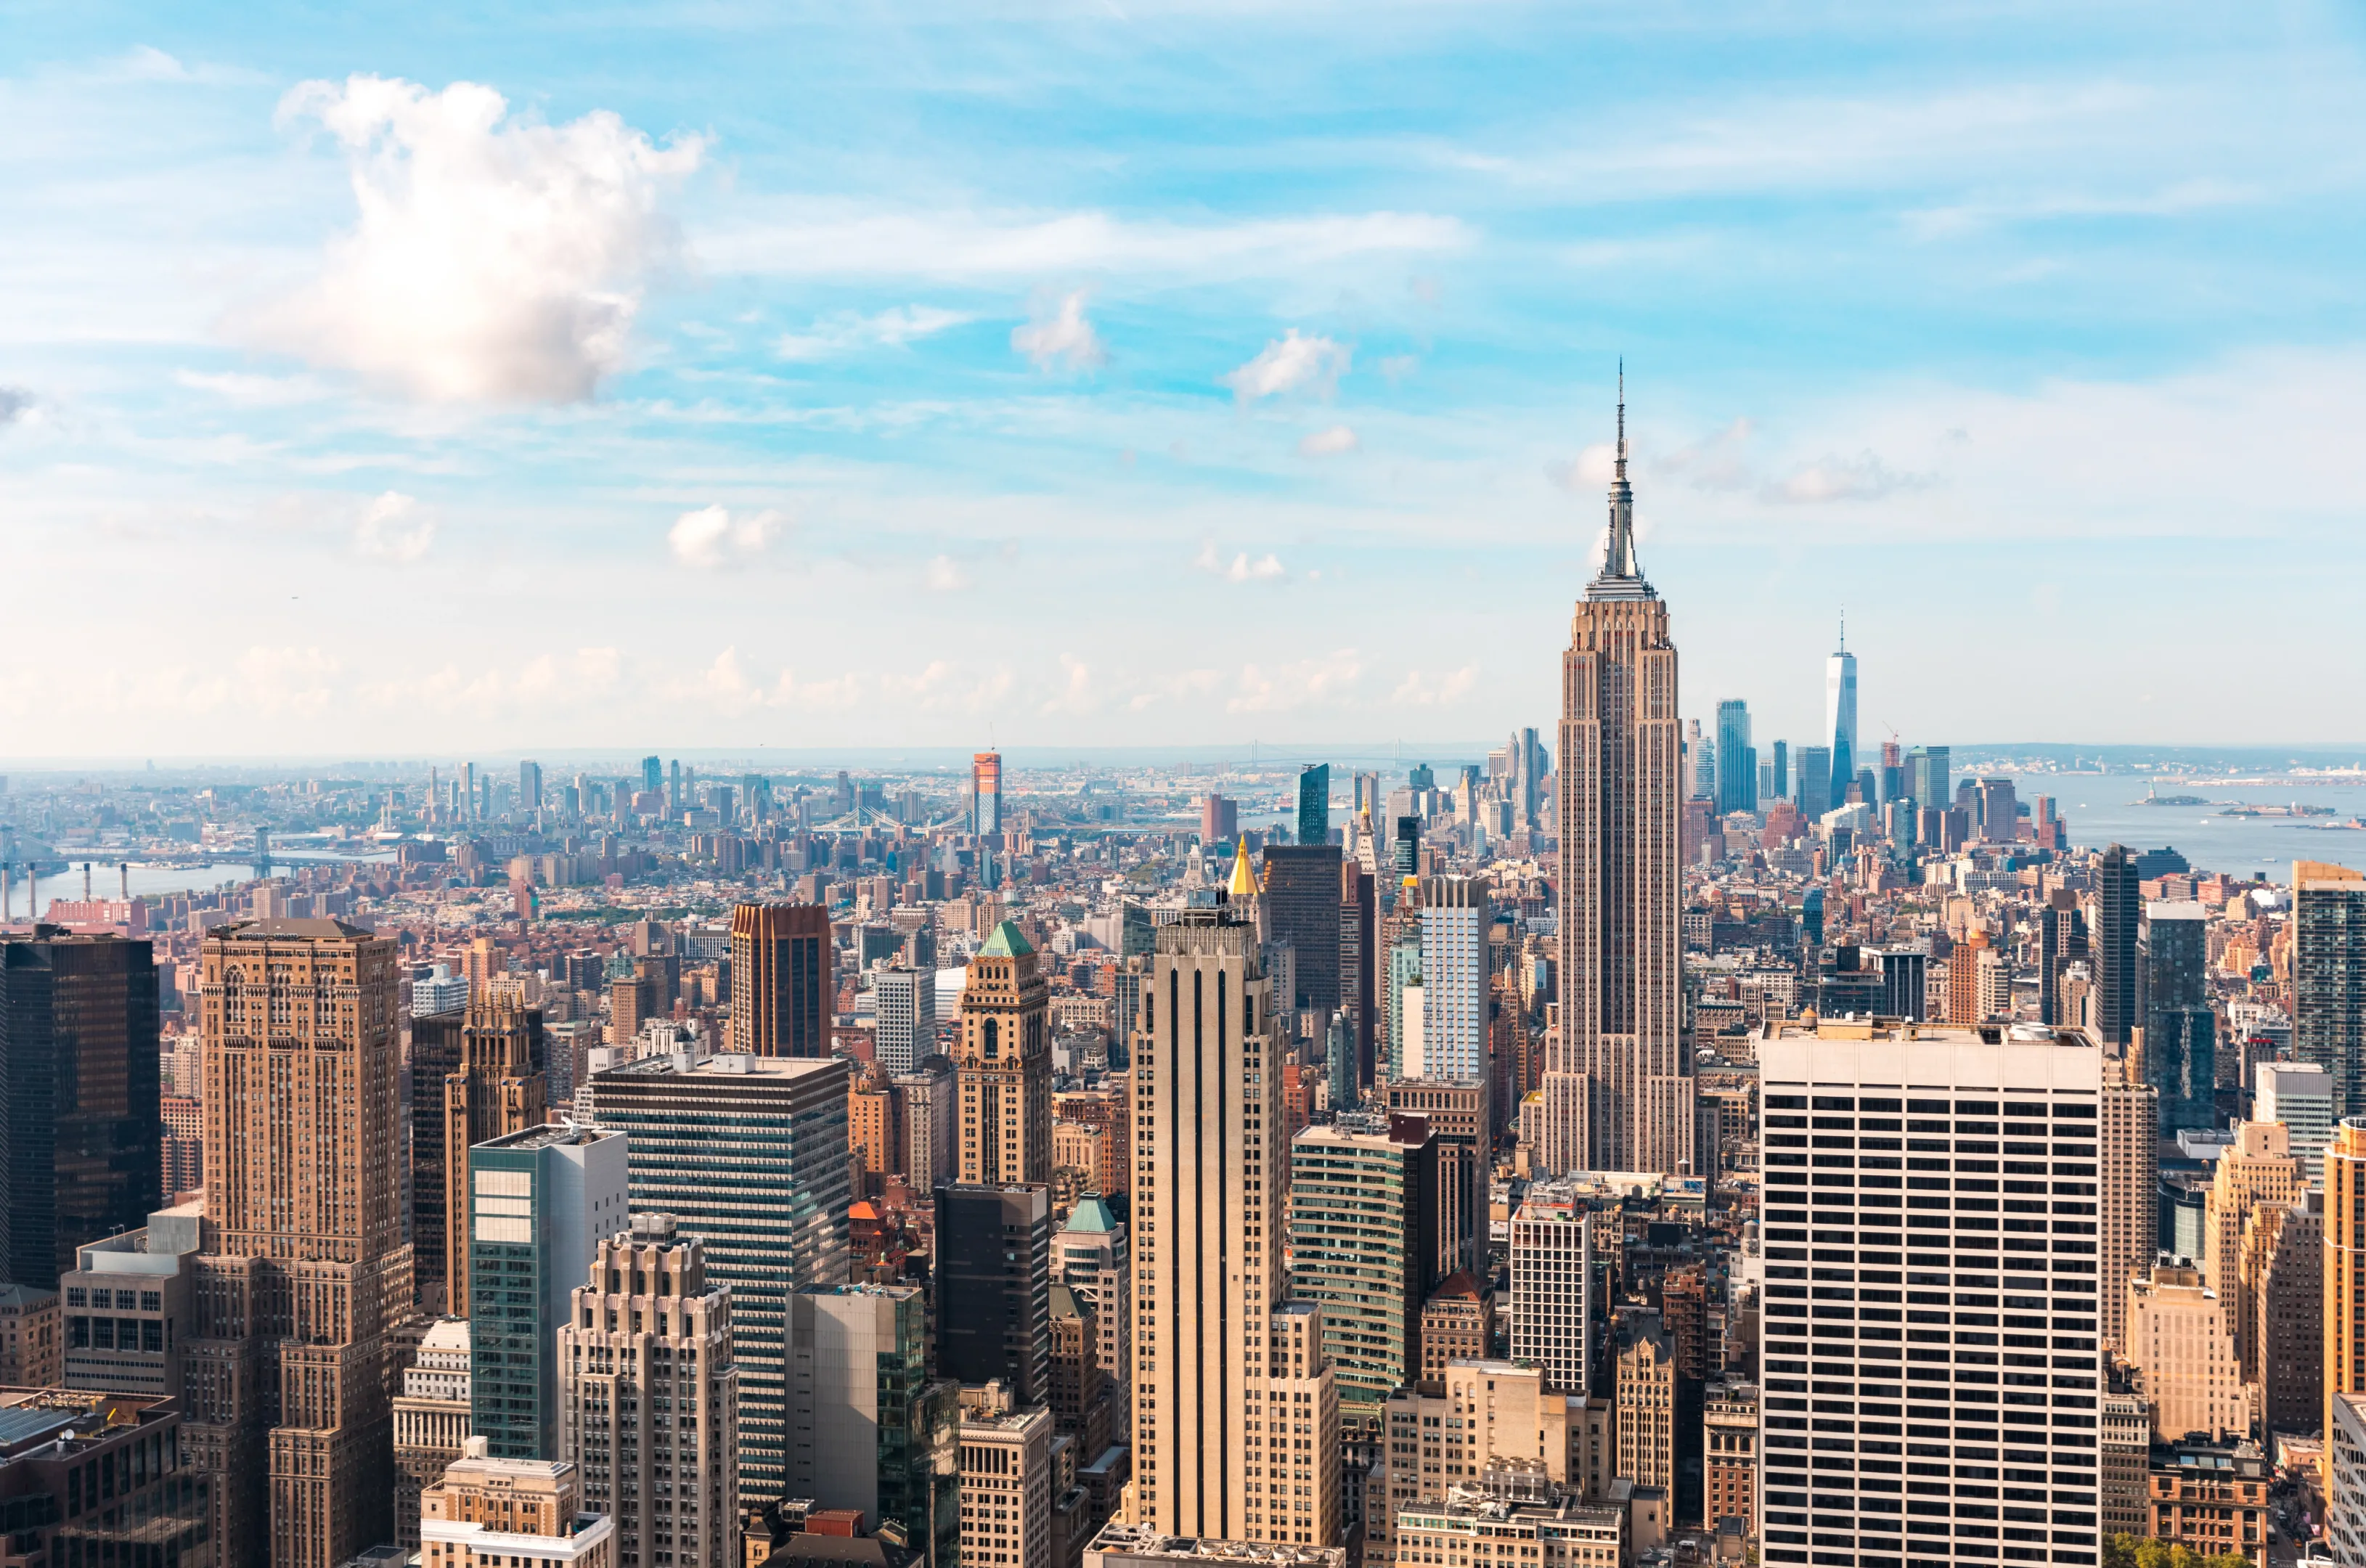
[1862,478]
[709,535]
[944,575]
[1061,339]
[1289,362]
[1331,443]
[1592,468]
[1240,569]
[390,530]
[1419,688]
[291,680]
[1332,679]
[849,332]
[1716,463]
[14,401]
[839,237]
[1076,695]
[1398,368]
[494,259]
[245,390]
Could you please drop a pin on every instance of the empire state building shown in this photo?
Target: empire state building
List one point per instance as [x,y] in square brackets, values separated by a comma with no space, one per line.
[1618,1089]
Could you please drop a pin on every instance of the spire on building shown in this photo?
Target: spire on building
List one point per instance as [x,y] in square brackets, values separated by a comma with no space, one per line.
[1621,576]
[1244,884]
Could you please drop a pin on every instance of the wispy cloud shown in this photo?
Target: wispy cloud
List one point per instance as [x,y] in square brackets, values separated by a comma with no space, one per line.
[829,237]
[711,536]
[1862,478]
[392,529]
[1059,337]
[1326,682]
[1290,363]
[1240,569]
[850,331]
[14,402]
[1337,441]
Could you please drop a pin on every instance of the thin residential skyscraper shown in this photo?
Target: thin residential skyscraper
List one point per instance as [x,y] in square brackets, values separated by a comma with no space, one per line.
[1617,1093]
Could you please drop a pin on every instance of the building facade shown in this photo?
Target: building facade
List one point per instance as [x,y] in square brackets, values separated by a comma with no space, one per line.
[1219,1356]
[994,1287]
[784,980]
[1363,1222]
[875,1433]
[539,1201]
[1004,1060]
[649,1394]
[2014,1116]
[749,1154]
[307,1268]
[1618,1095]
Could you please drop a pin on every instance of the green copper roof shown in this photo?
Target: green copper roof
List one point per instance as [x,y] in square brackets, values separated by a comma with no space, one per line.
[1007,942]
[1092,1213]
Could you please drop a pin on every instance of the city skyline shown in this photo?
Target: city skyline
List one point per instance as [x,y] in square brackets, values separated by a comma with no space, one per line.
[929,324]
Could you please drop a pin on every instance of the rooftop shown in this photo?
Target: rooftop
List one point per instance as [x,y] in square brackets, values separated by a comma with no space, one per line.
[1092,1215]
[1137,1541]
[1006,940]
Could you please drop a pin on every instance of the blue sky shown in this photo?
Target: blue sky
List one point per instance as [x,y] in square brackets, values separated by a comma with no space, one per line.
[500,378]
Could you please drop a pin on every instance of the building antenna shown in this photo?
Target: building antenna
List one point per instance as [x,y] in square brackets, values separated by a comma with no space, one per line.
[1844,630]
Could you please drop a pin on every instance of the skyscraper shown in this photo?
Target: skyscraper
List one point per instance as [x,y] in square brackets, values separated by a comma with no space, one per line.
[750,1154]
[986,793]
[536,1204]
[876,1433]
[904,1008]
[2344,1262]
[2180,1025]
[650,1393]
[784,979]
[1004,1059]
[1363,1230]
[1815,781]
[494,1091]
[1617,1093]
[1860,1078]
[2111,947]
[1840,718]
[529,787]
[78,1047]
[1315,804]
[1223,1363]
[1927,778]
[1736,759]
[303,1195]
[993,1280]
[1303,908]
[1455,918]
[2329,981]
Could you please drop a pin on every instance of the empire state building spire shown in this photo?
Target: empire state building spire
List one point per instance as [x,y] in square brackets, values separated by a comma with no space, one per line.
[1621,576]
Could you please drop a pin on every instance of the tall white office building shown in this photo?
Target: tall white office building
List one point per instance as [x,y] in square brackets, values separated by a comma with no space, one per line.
[1552,1282]
[2299,1095]
[1930,1249]
[905,1020]
[1454,916]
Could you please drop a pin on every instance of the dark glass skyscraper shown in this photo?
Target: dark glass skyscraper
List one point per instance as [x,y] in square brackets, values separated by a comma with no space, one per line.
[1302,894]
[78,1027]
[2119,908]
[2179,1026]
[1315,804]
[994,1286]
[1815,780]
[1736,759]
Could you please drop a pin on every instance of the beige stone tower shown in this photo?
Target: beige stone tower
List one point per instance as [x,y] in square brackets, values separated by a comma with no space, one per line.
[305,1267]
[1617,1093]
[1005,1062]
[2128,1119]
[1235,1410]
[495,1092]
[649,1396]
[2256,1172]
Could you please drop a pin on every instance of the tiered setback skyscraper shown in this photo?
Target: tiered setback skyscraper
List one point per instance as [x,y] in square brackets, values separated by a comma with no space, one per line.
[308,1267]
[1617,1093]
[495,1090]
[784,979]
[1005,1060]
[1224,1365]
[651,1397]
